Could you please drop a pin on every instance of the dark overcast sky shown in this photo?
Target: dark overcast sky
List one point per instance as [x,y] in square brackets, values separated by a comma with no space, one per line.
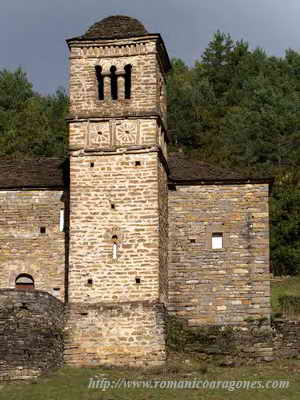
[33,32]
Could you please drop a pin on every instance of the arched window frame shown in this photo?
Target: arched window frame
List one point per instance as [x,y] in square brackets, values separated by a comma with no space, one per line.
[128,81]
[113,83]
[26,286]
[100,82]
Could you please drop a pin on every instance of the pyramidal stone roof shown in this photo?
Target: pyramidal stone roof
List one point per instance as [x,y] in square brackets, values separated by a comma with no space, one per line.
[114,27]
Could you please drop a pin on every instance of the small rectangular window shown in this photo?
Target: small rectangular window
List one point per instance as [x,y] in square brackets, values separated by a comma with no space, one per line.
[217,240]
[62,220]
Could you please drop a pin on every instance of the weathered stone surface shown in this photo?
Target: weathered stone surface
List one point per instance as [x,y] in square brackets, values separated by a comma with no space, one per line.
[286,338]
[31,330]
[24,249]
[129,333]
[219,286]
[118,205]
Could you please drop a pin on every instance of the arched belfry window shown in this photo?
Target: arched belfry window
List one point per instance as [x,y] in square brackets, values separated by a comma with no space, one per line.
[24,281]
[128,69]
[114,83]
[100,82]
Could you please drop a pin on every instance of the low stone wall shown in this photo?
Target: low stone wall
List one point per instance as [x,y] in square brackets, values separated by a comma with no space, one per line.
[287,338]
[31,331]
[128,334]
[232,346]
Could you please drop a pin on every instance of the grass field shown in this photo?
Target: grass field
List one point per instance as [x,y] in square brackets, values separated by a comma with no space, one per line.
[72,383]
[283,286]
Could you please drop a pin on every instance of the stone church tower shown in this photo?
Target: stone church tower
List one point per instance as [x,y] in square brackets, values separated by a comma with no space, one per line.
[118,195]
[100,245]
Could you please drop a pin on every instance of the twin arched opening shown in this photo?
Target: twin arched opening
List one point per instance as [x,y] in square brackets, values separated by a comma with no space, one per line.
[114,85]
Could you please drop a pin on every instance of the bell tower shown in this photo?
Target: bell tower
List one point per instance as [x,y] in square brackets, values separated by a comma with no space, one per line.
[117,284]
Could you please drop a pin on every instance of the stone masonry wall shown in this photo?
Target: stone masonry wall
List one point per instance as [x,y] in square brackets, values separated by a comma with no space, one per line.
[31,329]
[286,339]
[114,180]
[221,286]
[24,249]
[116,334]
[95,277]
[163,233]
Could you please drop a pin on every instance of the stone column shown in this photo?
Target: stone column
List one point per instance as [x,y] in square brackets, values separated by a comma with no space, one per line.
[121,86]
[107,87]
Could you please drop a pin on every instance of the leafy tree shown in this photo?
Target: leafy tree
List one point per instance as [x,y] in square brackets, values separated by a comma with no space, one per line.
[31,125]
[285,223]
[240,108]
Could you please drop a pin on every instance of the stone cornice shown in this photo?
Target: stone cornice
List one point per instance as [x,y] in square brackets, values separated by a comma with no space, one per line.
[110,47]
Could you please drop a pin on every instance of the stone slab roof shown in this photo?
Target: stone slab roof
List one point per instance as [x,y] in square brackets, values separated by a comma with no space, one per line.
[53,173]
[115,27]
[35,173]
[184,169]
[121,27]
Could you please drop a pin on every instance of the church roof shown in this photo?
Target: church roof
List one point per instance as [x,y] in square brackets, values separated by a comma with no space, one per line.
[53,173]
[184,169]
[116,26]
[35,173]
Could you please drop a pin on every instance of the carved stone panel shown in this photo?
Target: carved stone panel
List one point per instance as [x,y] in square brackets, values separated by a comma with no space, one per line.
[98,135]
[127,133]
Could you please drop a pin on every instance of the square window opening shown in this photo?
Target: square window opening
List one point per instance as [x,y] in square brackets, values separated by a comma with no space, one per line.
[217,240]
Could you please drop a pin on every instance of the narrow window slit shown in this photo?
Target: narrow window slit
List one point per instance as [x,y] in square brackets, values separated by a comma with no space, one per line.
[115,247]
[100,82]
[128,69]
[62,220]
[114,83]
